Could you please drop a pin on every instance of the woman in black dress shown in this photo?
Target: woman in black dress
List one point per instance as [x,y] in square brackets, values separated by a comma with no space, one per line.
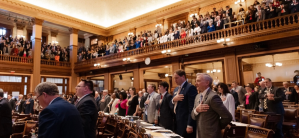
[133,103]
[122,104]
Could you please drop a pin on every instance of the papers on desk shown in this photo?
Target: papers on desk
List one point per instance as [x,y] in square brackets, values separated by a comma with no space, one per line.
[166,135]
[153,127]
[239,124]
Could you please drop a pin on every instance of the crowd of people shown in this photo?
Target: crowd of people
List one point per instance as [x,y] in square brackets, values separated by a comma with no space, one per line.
[19,47]
[190,106]
[211,21]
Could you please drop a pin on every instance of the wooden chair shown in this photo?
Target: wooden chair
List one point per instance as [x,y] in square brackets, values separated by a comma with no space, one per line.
[132,135]
[290,123]
[101,129]
[258,120]
[15,118]
[28,127]
[244,115]
[120,129]
[258,132]
[288,103]
[18,127]
[234,131]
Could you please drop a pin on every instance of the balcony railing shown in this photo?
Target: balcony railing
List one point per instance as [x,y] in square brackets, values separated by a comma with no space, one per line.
[18,59]
[55,63]
[250,28]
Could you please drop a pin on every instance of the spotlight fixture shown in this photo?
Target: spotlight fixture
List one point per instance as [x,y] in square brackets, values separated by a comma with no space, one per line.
[23,21]
[158,25]
[130,34]
[97,65]
[15,20]
[167,52]
[224,41]
[8,18]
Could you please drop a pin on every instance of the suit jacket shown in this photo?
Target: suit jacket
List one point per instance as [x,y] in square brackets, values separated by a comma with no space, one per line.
[20,108]
[263,16]
[230,12]
[292,97]
[143,99]
[166,112]
[275,105]
[12,104]
[87,108]
[28,108]
[176,35]
[152,112]
[209,123]
[98,102]
[236,97]
[60,120]
[103,105]
[203,26]
[5,118]
[220,25]
[184,109]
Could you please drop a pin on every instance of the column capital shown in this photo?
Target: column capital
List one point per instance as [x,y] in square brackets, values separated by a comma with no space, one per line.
[74,30]
[87,35]
[37,21]
[54,34]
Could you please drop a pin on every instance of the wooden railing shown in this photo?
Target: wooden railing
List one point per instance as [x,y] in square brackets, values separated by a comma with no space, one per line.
[18,59]
[250,28]
[55,63]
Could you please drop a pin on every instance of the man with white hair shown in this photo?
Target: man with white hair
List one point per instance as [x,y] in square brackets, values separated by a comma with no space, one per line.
[20,104]
[209,112]
[5,117]
[290,93]
[104,101]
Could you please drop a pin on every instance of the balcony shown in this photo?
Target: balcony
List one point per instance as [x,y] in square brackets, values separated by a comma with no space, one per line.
[270,29]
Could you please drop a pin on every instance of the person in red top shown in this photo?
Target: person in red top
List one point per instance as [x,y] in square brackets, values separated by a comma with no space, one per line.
[183,35]
[259,79]
[14,51]
[276,4]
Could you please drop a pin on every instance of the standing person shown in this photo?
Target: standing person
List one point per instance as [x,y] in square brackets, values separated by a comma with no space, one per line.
[121,106]
[104,101]
[258,79]
[290,93]
[209,112]
[87,107]
[97,97]
[240,90]
[183,102]
[235,94]
[28,105]
[113,102]
[250,97]
[20,104]
[59,118]
[150,105]
[12,102]
[272,98]
[227,98]
[133,102]
[166,119]
[5,117]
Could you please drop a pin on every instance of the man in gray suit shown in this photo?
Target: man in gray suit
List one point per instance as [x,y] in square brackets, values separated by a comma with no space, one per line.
[104,101]
[241,92]
[151,111]
[209,112]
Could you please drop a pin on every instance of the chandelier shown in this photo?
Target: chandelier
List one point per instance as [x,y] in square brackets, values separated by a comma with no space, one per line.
[213,70]
[273,64]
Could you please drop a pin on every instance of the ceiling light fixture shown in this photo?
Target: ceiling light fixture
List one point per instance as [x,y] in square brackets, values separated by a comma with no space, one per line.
[97,65]
[130,33]
[223,40]
[126,59]
[213,70]
[167,52]
[273,64]
[158,25]
[195,14]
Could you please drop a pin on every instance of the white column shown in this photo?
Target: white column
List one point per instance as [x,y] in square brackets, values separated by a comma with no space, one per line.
[14,30]
[73,57]
[87,40]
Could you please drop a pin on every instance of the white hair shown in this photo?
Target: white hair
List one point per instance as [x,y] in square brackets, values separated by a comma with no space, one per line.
[206,77]
[285,83]
[1,90]
[105,91]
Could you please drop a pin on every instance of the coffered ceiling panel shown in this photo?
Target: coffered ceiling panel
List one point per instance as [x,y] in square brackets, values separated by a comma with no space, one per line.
[102,12]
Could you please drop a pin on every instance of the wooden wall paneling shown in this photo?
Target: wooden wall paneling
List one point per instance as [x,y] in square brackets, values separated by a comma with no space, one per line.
[175,19]
[136,81]
[230,68]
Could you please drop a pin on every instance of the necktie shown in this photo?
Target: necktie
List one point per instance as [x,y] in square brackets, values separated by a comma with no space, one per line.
[201,96]
[265,100]
[175,104]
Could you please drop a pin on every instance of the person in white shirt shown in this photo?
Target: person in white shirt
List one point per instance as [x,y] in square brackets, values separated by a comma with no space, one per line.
[161,39]
[150,39]
[227,98]
[113,102]
[170,35]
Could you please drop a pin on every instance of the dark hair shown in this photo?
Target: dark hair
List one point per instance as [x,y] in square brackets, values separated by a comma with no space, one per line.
[133,89]
[154,86]
[88,83]
[1,94]
[235,82]
[224,87]
[29,94]
[123,94]
[164,84]
[116,95]
[181,73]
[268,79]
[229,85]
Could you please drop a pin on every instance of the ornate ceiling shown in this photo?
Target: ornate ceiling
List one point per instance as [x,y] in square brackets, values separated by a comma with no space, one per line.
[104,13]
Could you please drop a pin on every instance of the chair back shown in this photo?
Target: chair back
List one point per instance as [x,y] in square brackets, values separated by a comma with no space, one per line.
[15,118]
[244,115]
[234,132]
[288,103]
[290,114]
[18,127]
[120,129]
[132,135]
[258,120]
[258,132]
[29,125]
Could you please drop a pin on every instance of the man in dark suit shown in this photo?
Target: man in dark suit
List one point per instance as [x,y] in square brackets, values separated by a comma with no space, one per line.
[182,103]
[290,93]
[272,98]
[209,112]
[11,102]
[20,104]
[219,23]
[28,105]
[229,12]
[97,97]
[194,22]
[5,117]
[166,118]
[235,95]
[104,101]
[59,118]
[87,107]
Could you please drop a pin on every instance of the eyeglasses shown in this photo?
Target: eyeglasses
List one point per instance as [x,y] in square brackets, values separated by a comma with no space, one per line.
[38,96]
[79,86]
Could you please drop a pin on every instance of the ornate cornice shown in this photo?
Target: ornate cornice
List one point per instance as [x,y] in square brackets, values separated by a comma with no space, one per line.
[37,21]
[74,30]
